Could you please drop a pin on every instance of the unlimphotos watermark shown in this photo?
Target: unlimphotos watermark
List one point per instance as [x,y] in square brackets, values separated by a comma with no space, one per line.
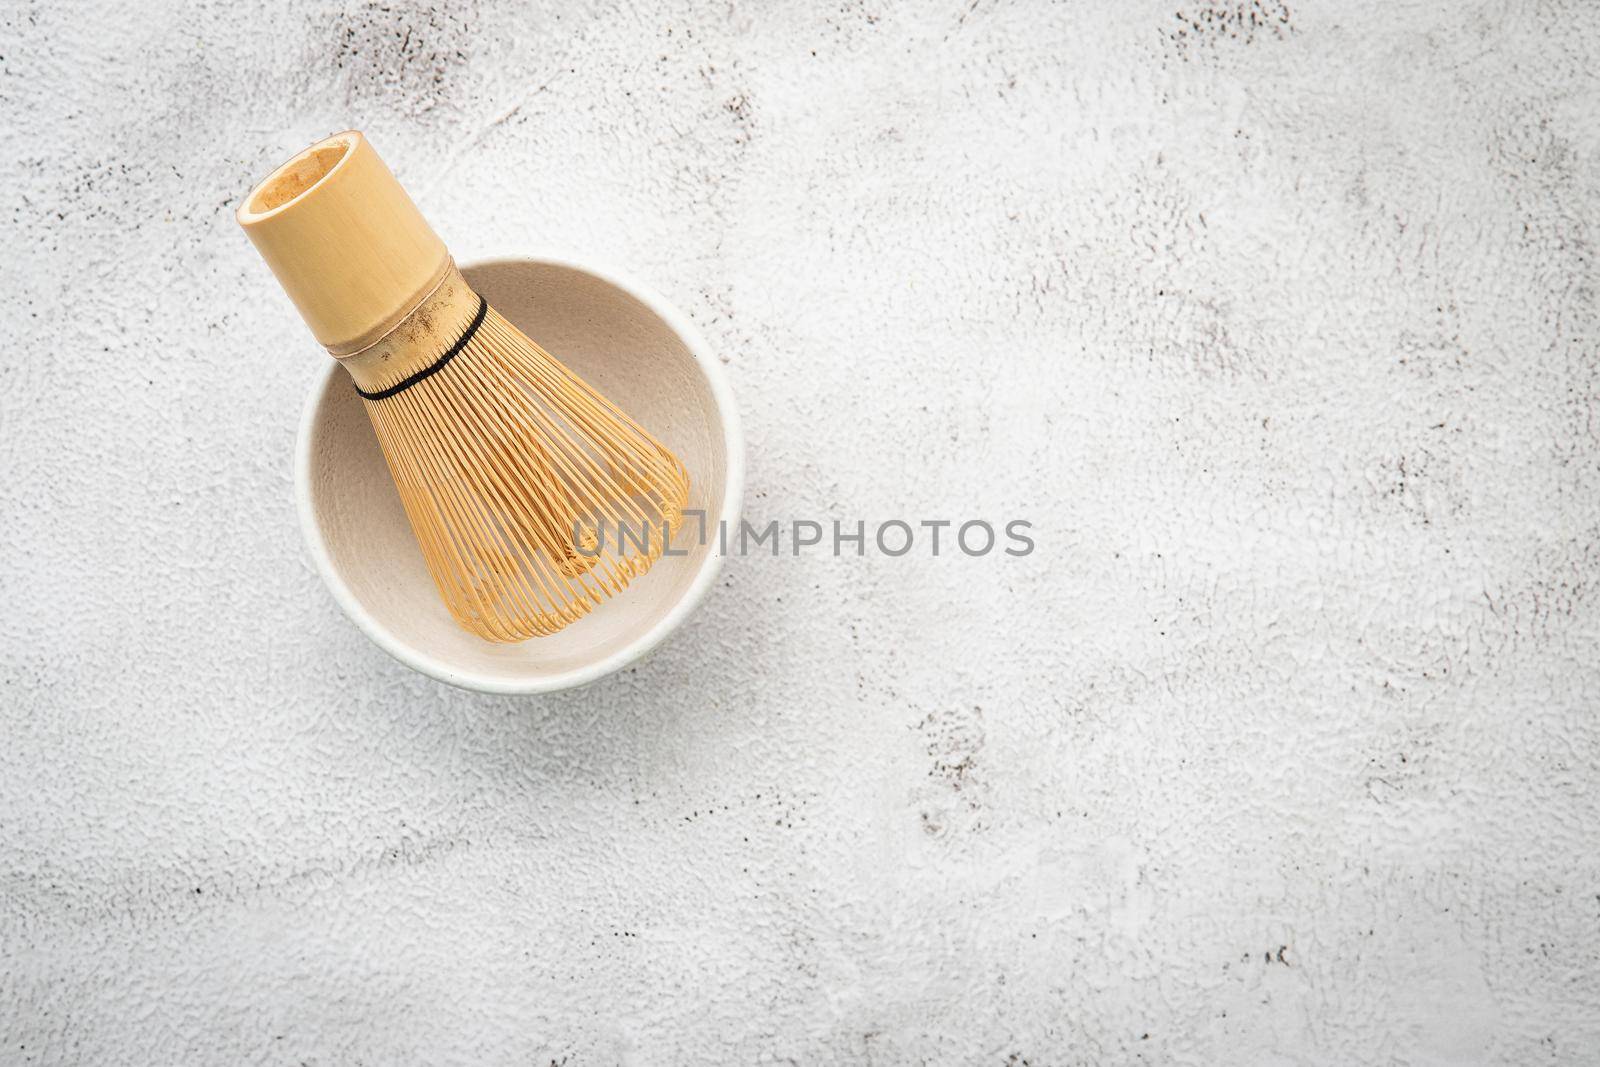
[890,537]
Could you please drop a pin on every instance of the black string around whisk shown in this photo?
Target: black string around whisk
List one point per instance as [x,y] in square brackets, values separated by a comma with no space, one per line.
[437,365]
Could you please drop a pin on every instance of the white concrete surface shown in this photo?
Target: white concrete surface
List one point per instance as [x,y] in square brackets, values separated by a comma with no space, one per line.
[1279,322]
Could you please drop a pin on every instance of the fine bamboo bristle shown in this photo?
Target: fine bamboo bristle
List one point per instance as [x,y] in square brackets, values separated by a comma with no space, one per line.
[533,497]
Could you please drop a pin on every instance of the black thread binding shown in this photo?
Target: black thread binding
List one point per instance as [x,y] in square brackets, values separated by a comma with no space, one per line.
[437,365]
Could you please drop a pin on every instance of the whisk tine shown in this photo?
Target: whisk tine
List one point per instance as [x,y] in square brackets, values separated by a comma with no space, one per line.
[506,462]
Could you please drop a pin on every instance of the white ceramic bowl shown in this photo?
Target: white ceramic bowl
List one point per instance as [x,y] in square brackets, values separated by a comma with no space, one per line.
[632,346]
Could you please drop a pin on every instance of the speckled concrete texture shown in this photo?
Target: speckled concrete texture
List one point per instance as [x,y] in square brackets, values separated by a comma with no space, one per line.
[1279,323]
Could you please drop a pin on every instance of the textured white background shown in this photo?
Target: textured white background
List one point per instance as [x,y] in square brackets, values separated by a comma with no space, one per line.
[1279,323]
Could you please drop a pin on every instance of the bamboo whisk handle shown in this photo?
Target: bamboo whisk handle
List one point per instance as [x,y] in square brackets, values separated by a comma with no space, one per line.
[345,241]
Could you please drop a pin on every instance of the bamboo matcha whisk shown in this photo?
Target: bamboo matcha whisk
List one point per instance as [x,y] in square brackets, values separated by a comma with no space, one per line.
[532,496]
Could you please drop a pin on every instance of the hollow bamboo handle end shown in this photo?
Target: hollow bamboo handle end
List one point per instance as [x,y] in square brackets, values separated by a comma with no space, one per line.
[345,241]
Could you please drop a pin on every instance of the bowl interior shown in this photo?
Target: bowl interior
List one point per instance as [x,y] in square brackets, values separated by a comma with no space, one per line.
[622,347]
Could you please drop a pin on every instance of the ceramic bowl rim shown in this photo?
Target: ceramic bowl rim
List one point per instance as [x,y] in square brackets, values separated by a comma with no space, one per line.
[436,667]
